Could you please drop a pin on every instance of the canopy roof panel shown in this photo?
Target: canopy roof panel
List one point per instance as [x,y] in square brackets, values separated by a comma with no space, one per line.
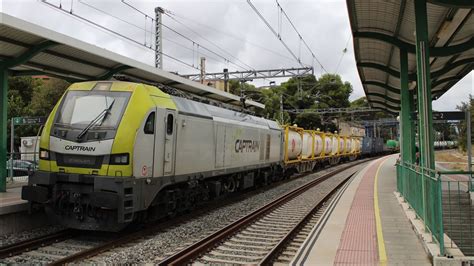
[380,28]
[29,49]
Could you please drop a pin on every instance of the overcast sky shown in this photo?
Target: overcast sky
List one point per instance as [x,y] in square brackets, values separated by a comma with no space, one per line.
[237,35]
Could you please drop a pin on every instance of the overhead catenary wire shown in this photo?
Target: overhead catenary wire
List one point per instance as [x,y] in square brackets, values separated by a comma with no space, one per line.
[344,51]
[202,47]
[83,19]
[230,35]
[171,16]
[207,39]
[282,11]
[275,33]
[187,38]
[136,26]
[151,33]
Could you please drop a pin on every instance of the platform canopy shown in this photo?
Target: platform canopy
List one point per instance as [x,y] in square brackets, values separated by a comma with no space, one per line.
[381,28]
[29,49]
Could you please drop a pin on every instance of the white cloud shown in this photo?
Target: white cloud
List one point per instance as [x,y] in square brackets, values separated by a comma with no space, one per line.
[457,94]
[324,24]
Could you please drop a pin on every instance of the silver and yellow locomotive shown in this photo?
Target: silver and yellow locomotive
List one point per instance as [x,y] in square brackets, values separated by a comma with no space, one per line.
[113,152]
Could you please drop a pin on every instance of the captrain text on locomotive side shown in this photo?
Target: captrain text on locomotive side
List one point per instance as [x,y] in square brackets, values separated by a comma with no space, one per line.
[114,152]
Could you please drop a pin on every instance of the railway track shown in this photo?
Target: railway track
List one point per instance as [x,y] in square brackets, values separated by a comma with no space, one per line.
[34,243]
[50,248]
[68,246]
[264,236]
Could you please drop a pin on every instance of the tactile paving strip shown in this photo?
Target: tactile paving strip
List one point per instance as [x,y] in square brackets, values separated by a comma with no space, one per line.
[358,243]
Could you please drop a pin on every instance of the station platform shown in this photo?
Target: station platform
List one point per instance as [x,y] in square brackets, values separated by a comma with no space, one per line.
[14,215]
[10,201]
[365,225]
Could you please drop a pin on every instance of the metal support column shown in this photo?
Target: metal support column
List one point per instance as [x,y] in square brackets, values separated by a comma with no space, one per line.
[159,37]
[407,137]
[431,197]
[406,126]
[425,119]
[411,102]
[3,128]
[469,145]
[226,80]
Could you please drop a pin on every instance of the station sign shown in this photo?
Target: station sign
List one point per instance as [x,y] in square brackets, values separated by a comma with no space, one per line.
[449,115]
[17,121]
[445,116]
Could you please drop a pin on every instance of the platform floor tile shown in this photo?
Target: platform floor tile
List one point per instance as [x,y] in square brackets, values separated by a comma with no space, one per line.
[401,243]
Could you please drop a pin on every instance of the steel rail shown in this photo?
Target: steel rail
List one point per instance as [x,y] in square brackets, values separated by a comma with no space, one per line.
[190,253]
[268,259]
[150,229]
[132,236]
[29,244]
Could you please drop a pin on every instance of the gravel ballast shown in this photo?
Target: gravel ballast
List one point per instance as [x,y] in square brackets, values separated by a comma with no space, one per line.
[156,247]
[10,239]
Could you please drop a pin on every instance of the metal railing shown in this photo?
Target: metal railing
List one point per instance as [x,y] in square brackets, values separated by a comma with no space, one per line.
[458,211]
[20,164]
[429,192]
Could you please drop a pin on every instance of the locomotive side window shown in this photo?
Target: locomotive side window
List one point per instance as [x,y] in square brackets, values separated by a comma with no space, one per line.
[150,124]
[169,124]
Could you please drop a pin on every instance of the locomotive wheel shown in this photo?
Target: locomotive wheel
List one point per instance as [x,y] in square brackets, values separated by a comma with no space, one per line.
[229,185]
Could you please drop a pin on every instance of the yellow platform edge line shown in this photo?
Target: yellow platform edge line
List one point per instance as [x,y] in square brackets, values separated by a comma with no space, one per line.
[378,222]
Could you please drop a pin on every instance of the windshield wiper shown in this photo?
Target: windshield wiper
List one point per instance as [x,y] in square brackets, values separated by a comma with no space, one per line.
[98,119]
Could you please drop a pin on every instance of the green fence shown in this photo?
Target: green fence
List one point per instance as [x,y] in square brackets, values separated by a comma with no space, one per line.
[438,199]
[458,211]
[422,190]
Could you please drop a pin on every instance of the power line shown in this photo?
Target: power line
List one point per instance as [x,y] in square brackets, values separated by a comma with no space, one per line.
[191,49]
[186,37]
[274,32]
[200,45]
[111,31]
[206,39]
[299,35]
[140,28]
[230,35]
[344,51]
[116,17]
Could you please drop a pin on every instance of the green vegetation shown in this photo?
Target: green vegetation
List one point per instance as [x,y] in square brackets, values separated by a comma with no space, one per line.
[32,97]
[36,97]
[308,93]
[361,102]
[462,139]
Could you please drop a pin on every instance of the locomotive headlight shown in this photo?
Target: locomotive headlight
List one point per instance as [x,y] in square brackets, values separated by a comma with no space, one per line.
[119,159]
[44,154]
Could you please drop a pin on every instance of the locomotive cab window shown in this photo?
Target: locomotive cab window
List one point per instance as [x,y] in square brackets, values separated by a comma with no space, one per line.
[150,124]
[169,124]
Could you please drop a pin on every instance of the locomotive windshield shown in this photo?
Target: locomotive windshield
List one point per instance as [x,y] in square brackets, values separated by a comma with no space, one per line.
[79,109]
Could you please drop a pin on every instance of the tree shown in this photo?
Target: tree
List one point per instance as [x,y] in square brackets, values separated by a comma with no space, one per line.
[337,92]
[306,92]
[308,121]
[249,90]
[46,96]
[24,86]
[299,92]
[32,97]
[361,102]
[464,106]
